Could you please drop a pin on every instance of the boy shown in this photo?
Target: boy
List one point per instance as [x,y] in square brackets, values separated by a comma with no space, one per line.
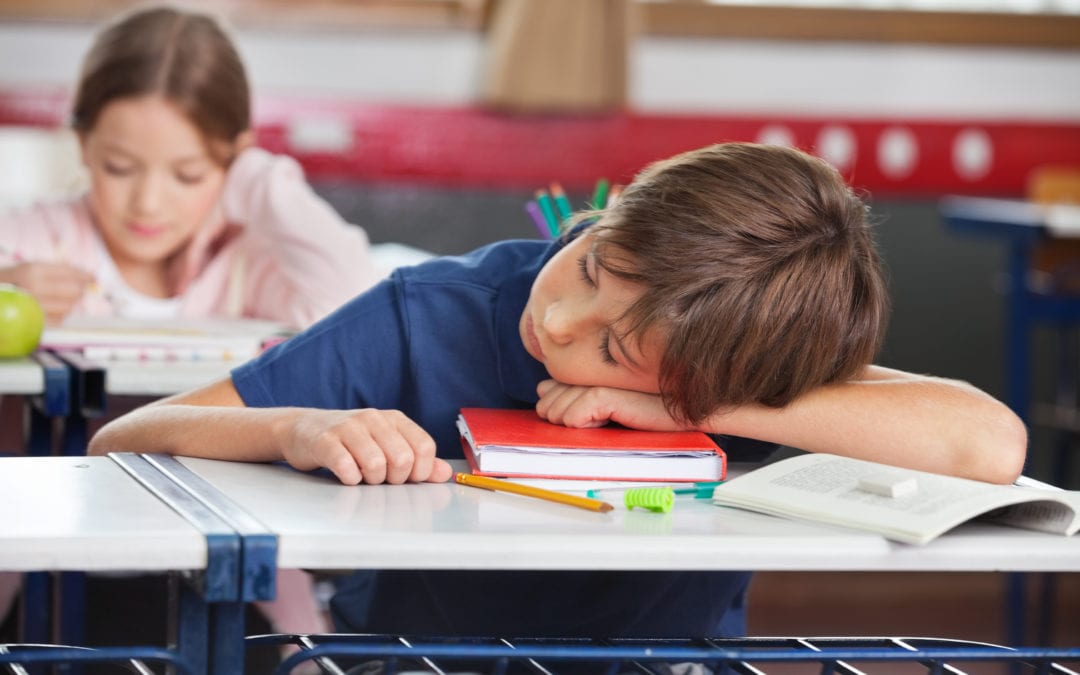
[734,289]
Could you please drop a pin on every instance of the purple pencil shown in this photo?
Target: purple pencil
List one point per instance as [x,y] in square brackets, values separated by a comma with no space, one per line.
[538,218]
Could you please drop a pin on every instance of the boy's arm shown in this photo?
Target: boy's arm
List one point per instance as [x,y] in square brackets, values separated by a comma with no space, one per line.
[372,446]
[889,416]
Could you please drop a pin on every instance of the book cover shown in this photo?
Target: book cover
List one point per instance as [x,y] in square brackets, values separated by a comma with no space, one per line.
[518,443]
[905,505]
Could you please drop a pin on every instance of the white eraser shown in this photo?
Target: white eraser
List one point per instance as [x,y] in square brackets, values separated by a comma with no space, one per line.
[889,484]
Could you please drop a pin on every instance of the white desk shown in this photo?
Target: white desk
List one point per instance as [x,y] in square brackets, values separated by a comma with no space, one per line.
[21,376]
[162,378]
[322,524]
[66,514]
[86,513]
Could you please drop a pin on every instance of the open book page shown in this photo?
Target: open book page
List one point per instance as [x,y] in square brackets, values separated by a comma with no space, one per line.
[845,491]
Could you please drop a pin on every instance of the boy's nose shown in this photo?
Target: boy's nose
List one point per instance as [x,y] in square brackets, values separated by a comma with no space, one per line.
[562,321]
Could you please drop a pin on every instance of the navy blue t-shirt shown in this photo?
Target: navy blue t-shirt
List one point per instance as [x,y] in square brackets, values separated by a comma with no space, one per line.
[427,341]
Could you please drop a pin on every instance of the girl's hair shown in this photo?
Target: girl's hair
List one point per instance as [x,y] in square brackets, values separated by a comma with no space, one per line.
[759,267]
[184,56]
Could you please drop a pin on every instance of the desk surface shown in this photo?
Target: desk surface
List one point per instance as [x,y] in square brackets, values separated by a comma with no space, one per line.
[322,524]
[21,376]
[162,378]
[86,513]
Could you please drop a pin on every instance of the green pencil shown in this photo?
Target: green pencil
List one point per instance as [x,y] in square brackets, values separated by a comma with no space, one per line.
[599,197]
[561,202]
[544,200]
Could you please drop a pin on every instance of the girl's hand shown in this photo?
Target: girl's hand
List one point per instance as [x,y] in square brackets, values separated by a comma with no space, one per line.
[58,287]
[373,446]
[578,406]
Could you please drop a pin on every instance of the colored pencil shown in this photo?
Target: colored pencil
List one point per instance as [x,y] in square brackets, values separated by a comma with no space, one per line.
[529,491]
[561,202]
[544,200]
[538,219]
[599,197]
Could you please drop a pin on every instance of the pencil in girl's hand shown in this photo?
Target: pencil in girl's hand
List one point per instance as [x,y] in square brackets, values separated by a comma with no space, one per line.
[561,203]
[544,200]
[538,219]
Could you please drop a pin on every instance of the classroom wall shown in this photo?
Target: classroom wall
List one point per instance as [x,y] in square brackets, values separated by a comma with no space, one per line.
[666,74]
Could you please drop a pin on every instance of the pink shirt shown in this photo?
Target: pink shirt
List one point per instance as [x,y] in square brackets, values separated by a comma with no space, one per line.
[279,253]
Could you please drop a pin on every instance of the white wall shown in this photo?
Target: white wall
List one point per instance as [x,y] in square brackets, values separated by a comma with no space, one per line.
[674,75]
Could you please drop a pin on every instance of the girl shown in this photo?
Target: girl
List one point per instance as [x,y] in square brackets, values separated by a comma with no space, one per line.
[734,289]
[183,217]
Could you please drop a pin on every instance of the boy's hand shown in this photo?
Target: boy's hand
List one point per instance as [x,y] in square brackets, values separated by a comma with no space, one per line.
[583,407]
[373,446]
[57,287]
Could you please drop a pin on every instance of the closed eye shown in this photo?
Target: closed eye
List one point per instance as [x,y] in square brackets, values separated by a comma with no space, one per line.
[118,169]
[605,350]
[190,178]
[583,268]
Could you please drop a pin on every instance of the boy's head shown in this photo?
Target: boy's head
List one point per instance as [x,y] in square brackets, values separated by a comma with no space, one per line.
[759,268]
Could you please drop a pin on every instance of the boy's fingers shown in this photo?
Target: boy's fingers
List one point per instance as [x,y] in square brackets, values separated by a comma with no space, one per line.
[397,452]
[344,467]
[422,446]
[441,471]
[546,386]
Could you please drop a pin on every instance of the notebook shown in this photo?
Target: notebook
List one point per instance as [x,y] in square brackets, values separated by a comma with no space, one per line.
[518,443]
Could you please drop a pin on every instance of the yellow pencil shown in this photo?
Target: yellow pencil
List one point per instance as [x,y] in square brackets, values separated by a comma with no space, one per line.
[529,491]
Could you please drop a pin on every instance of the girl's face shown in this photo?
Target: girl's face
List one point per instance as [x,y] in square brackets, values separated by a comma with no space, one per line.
[153,181]
[572,324]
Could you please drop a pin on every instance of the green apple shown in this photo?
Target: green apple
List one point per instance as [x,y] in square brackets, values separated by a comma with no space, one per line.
[21,322]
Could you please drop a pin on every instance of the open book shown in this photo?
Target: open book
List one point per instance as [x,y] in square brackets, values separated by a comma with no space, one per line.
[518,443]
[901,504]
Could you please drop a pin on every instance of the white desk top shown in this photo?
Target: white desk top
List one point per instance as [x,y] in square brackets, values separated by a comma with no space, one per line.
[322,524]
[86,513]
[21,376]
[162,378]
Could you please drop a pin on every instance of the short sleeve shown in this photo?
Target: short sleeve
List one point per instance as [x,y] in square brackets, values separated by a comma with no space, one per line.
[354,358]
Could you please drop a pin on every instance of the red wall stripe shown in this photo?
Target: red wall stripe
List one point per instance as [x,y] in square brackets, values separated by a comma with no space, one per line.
[470,146]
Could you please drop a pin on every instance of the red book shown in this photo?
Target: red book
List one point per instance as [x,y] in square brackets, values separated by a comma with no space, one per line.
[518,443]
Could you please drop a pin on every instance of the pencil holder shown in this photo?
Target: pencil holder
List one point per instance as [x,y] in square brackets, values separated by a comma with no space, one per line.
[656,499]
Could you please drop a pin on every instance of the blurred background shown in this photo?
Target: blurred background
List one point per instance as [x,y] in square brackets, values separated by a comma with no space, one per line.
[431,122]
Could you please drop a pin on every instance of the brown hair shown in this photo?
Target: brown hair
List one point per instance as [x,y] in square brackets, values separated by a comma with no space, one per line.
[760,267]
[183,56]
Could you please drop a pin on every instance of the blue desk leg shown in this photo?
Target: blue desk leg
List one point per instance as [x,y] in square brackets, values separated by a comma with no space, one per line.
[208,635]
[39,432]
[189,628]
[34,608]
[227,640]
[1019,399]
[1019,315]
